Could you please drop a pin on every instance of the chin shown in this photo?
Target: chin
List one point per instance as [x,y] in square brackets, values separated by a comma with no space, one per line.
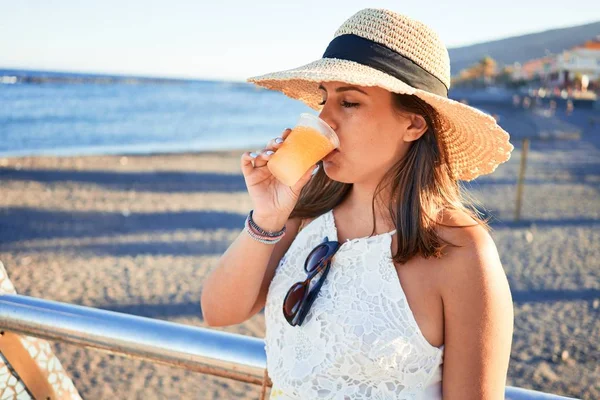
[335,173]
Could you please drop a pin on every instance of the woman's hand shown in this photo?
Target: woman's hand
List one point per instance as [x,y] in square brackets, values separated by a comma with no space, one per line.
[273,201]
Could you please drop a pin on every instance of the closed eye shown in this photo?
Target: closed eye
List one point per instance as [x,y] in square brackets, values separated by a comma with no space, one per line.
[345,104]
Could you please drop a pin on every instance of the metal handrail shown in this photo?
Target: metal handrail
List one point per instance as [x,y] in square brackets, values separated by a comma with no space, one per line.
[209,351]
[197,349]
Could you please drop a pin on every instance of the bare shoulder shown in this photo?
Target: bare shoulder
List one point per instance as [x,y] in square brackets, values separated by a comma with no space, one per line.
[475,257]
[461,229]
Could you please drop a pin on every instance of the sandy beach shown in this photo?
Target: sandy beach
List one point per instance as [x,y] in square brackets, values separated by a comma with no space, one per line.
[138,234]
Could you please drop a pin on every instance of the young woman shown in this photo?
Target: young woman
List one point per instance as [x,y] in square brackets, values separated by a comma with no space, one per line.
[377,278]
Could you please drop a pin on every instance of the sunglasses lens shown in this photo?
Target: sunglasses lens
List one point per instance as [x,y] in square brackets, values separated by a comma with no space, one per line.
[315,257]
[294,299]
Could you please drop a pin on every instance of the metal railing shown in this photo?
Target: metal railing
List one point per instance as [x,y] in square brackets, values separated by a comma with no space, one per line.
[197,349]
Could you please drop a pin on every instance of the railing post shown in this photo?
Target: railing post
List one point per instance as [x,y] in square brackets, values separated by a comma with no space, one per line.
[524,150]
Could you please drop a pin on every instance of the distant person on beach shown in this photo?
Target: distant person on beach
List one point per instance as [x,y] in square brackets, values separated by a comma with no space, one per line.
[569,107]
[377,278]
[552,107]
[516,100]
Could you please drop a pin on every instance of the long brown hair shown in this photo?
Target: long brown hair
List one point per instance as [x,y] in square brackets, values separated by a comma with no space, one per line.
[421,182]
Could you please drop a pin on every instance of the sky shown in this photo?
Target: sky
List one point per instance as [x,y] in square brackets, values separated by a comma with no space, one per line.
[235,39]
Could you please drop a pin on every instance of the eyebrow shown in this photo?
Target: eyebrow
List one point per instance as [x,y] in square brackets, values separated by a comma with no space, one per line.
[344,89]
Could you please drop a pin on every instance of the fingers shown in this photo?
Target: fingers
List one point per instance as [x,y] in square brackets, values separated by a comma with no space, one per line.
[277,142]
[255,159]
[286,133]
[262,157]
[247,162]
[258,159]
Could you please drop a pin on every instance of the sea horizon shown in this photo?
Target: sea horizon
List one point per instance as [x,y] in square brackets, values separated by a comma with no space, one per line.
[70,114]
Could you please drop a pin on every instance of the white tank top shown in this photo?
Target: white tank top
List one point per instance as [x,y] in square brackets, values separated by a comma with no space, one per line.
[360,339]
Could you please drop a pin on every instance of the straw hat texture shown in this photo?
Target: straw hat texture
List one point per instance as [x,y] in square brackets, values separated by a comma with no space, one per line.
[378,47]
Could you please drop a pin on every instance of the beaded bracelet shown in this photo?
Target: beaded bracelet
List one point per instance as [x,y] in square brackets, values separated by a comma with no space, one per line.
[256,233]
[264,241]
[261,231]
[258,236]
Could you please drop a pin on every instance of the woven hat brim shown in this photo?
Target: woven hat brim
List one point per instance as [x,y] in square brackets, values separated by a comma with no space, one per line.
[473,142]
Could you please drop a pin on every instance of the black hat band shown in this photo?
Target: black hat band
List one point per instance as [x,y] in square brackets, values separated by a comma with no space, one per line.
[364,51]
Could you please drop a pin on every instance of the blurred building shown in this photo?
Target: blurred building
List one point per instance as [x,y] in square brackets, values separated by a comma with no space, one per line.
[532,69]
[577,68]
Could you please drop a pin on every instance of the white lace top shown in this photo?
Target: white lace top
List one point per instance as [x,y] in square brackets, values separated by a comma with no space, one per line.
[360,339]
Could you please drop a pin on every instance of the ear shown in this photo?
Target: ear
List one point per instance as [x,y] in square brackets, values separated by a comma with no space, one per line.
[416,128]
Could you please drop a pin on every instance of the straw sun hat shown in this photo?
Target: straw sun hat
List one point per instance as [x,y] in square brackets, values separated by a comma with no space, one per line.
[377,47]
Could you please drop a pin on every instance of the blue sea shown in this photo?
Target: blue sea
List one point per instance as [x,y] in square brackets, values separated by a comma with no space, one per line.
[45,113]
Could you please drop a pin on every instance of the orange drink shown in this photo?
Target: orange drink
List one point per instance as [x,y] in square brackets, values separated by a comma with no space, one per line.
[308,142]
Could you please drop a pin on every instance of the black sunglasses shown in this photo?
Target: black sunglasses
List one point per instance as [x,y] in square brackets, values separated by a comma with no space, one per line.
[300,297]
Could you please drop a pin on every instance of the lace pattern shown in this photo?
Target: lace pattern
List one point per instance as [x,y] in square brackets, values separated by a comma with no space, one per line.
[360,339]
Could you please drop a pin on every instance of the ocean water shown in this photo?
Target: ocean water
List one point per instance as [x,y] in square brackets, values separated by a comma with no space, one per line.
[73,114]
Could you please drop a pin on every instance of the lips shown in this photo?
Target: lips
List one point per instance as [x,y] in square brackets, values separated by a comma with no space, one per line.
[331,155]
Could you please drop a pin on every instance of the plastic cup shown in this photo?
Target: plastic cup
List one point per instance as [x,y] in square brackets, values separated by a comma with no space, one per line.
[308,142]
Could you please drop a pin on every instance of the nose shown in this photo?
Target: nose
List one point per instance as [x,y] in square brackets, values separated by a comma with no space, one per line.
[326,116]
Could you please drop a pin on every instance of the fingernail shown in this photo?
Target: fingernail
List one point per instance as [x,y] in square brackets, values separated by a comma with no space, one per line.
[269,152]
[315,170]
[279,140]
[253,155]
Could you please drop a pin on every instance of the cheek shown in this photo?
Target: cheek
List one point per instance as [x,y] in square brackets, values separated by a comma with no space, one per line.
[372,136]
[364,155]
[389,140]
[376,145]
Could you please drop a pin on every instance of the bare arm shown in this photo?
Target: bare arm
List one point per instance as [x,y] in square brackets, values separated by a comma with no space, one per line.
[478,326]
[237,289]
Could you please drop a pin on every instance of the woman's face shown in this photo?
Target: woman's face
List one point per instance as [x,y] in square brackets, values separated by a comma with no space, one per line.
[373,134]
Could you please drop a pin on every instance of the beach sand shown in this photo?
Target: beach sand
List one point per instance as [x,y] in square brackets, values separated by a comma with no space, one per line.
[138,234]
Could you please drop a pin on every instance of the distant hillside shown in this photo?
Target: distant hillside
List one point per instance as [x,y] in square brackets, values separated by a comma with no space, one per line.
[523,48]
